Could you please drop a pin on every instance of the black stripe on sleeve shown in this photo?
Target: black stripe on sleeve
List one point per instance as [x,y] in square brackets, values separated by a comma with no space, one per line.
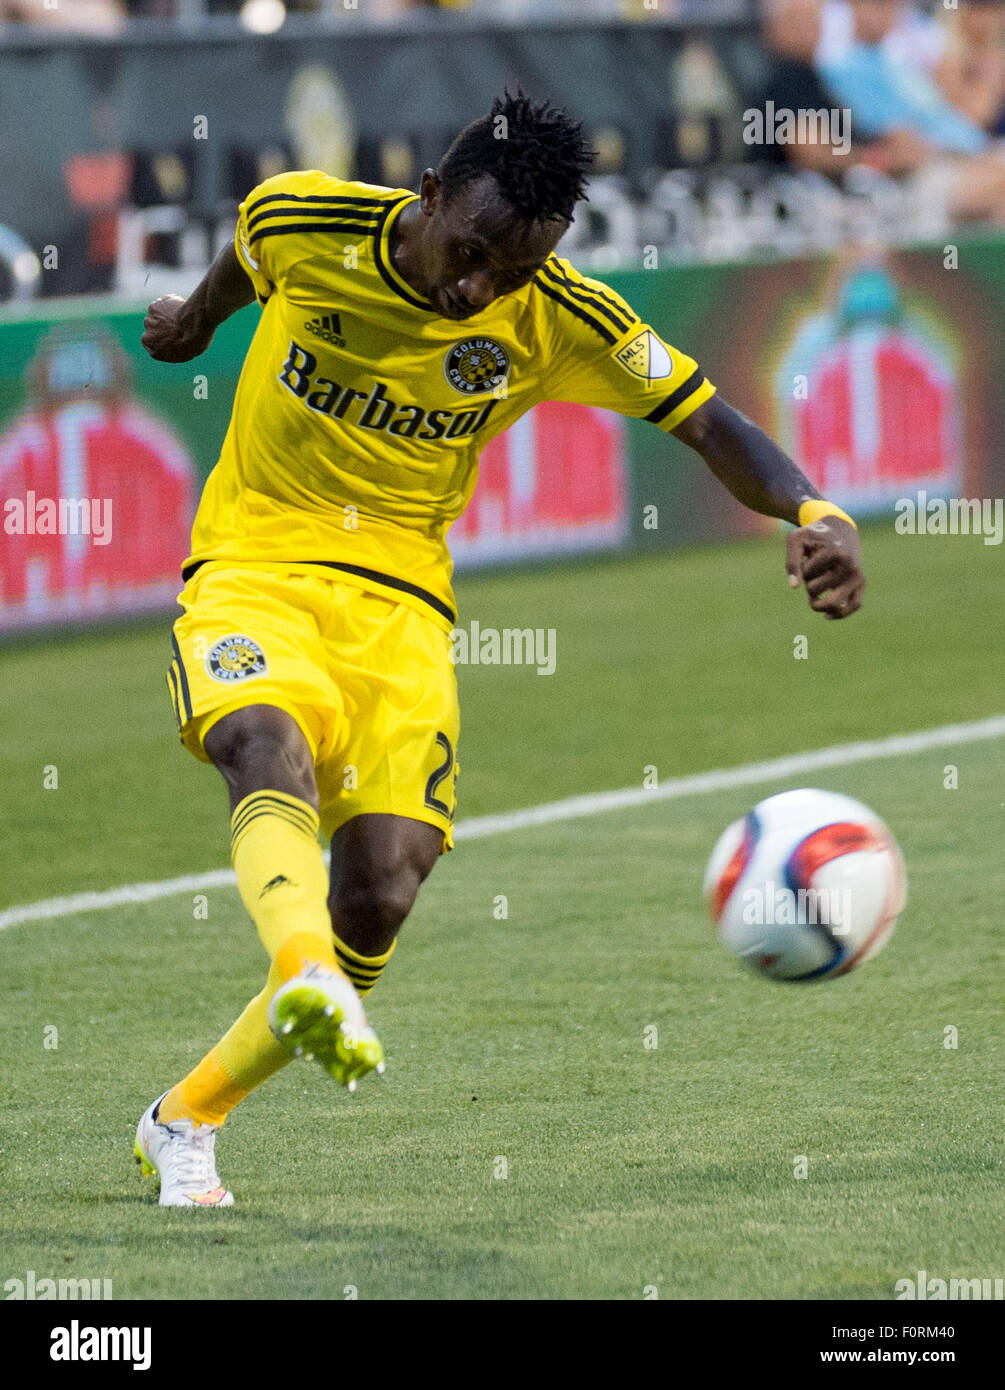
[348,203]
[585,295]
[294,227]
[573,308]
[320,213]
[669,405]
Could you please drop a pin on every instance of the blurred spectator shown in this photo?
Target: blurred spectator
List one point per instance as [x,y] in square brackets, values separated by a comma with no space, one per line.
[887,92]
[954,164]
[913,37]
[972,70]
[792,32]
[100,17]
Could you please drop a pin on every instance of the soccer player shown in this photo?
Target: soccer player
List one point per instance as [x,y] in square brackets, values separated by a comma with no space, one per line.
[399,333]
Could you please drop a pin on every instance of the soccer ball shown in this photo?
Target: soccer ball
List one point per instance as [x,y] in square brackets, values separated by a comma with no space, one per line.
[806,886]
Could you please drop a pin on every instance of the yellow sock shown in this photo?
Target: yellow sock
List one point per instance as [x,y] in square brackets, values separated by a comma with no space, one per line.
[364,971]
[245,1056]
[283,884]
[282,880]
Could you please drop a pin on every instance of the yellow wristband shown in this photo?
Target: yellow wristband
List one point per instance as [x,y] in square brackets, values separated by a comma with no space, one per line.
[815,509]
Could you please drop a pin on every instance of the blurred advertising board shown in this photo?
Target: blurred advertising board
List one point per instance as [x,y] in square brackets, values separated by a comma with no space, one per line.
[554,484]
[96,488]
[103,453]
[881,373]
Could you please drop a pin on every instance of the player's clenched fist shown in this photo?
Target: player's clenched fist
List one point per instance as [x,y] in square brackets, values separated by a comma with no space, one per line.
[169,332]
[827,557]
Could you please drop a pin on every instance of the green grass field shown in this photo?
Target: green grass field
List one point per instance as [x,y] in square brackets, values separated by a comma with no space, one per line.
[523,1039]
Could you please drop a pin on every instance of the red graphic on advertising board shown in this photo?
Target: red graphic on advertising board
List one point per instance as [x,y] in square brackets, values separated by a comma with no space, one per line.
[907,388]
[870,396]
[97,493]
[554,482]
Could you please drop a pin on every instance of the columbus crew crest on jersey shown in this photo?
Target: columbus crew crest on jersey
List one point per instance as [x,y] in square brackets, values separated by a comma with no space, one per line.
[476,364]
[235,658]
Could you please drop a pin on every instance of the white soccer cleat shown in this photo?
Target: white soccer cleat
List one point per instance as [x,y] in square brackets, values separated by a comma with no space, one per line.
[182,1154]
[318,1015]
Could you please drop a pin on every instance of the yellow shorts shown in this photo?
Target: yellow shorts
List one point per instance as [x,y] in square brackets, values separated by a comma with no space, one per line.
[369,681]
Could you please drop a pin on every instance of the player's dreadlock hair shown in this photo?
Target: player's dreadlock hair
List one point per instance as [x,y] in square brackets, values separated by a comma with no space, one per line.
[536,154]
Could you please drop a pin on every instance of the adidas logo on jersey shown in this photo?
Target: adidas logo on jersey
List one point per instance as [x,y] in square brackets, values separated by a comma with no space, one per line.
[327,327]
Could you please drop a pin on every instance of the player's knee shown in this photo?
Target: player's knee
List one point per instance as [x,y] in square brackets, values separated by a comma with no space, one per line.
[261,747]
[368,909]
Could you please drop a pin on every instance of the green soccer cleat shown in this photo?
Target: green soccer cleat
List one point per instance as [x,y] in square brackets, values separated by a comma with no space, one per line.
[319,1015]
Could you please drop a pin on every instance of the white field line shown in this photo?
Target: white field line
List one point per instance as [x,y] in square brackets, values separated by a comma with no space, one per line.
[573,807]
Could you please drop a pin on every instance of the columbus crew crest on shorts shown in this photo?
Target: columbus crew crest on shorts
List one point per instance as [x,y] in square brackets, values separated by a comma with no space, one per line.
[235,658]
[476,364]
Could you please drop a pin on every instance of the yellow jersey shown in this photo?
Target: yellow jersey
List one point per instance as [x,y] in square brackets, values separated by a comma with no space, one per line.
[360,411]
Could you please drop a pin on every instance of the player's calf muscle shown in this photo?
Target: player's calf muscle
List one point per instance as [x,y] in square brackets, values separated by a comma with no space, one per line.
[261,748]
[378,866]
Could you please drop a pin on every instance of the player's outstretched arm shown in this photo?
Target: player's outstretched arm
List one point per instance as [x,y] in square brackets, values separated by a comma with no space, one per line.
[824,553]
[176,329]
